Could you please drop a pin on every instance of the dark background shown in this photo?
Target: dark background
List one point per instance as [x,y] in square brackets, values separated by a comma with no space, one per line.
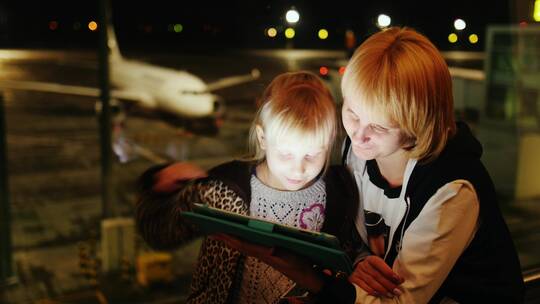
[239,24]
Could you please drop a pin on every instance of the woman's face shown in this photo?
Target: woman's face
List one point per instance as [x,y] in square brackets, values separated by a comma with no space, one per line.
[372,137]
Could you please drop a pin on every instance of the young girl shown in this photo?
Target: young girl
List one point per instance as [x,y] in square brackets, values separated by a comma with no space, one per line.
[287,180]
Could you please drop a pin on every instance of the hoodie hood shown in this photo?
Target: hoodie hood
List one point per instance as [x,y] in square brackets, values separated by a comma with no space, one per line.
[461,150]
[463,144]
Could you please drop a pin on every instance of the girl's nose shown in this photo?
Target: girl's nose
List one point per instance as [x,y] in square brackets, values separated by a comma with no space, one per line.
[299,167]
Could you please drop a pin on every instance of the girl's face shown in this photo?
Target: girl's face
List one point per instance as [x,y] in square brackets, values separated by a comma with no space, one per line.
[292,164]
[372,137]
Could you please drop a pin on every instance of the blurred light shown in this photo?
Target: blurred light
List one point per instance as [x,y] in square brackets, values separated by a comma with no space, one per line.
[147,28]
[292,16]
[383,21]
[271,32]
[341,70]
[350,40]
[92,25]
[289,33]
[323,34]
[459,24]
[178,28]
[523,24]
[452,38]
[473,38]
[53,25]
[536,11]
[77,26]
[323,71]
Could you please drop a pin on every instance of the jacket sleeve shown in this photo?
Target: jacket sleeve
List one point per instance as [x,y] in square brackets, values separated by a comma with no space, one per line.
[433,243]
[342,189]
[158,215]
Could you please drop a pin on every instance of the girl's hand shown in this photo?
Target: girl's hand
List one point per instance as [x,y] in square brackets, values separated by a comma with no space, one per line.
[169,178]
[293,266]
[377,278]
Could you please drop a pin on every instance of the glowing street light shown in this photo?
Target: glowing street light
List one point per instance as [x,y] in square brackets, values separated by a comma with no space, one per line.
[292,16]
[92,26]
[383,21]
[289,33]
[178,28]
[536,11]
[271,32]
[459,24]
[323,34]
[453,38]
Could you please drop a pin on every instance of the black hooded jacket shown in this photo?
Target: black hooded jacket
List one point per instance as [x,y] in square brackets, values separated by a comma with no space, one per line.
[488,271]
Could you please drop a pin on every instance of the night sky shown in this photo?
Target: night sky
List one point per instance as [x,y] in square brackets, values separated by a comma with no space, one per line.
[237,24]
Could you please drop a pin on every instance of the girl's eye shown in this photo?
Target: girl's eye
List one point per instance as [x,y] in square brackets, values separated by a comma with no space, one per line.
[312,156]
[285,155]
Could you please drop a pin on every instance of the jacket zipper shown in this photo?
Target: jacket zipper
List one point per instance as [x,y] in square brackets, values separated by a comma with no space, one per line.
[407,203]
[404,220]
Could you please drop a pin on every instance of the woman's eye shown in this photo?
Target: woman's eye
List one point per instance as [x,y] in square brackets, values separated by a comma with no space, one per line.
[379,129]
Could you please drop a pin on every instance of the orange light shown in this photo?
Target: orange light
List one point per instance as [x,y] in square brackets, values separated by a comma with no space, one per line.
[341,70]
[323,71]
[92,25]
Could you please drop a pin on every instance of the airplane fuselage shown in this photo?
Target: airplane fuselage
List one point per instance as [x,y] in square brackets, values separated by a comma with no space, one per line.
[163,88]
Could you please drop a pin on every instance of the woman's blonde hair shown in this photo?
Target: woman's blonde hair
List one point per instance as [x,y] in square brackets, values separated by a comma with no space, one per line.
[294,105]
[399,74]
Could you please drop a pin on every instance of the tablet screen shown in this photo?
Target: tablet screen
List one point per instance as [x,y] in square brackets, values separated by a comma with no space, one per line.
[321,248]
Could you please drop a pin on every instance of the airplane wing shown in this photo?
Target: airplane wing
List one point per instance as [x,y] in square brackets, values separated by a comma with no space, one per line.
[49,87]
[119,146]
[233,80]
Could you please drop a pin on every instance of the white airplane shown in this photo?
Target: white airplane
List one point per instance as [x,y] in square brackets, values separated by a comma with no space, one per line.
[176,92]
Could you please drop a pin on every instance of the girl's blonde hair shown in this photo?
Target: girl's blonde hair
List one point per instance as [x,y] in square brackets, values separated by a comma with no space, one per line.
[295,105]
[399,74]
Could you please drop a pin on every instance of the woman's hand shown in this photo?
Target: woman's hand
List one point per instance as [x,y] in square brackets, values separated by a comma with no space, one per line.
[293,266]
[377,278]
[169,178]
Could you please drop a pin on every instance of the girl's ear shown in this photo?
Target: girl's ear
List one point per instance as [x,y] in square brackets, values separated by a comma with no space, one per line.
[260,137]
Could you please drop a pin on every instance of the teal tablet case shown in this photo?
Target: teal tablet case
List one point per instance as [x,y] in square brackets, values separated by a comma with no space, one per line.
[321,248]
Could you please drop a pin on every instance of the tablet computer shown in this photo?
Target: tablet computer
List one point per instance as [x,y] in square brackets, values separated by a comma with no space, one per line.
[321,248]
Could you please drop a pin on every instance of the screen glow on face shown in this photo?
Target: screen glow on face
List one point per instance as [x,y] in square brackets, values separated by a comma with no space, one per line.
[294,164]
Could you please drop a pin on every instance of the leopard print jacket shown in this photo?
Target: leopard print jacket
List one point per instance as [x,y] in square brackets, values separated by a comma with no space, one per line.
[218,265]
[219,268]
[160,223]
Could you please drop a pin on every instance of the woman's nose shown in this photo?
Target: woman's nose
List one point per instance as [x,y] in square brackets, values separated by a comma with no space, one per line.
[361,134]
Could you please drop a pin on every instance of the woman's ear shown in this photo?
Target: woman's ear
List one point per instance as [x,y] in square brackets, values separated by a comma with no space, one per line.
[408,143]
[260,137]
